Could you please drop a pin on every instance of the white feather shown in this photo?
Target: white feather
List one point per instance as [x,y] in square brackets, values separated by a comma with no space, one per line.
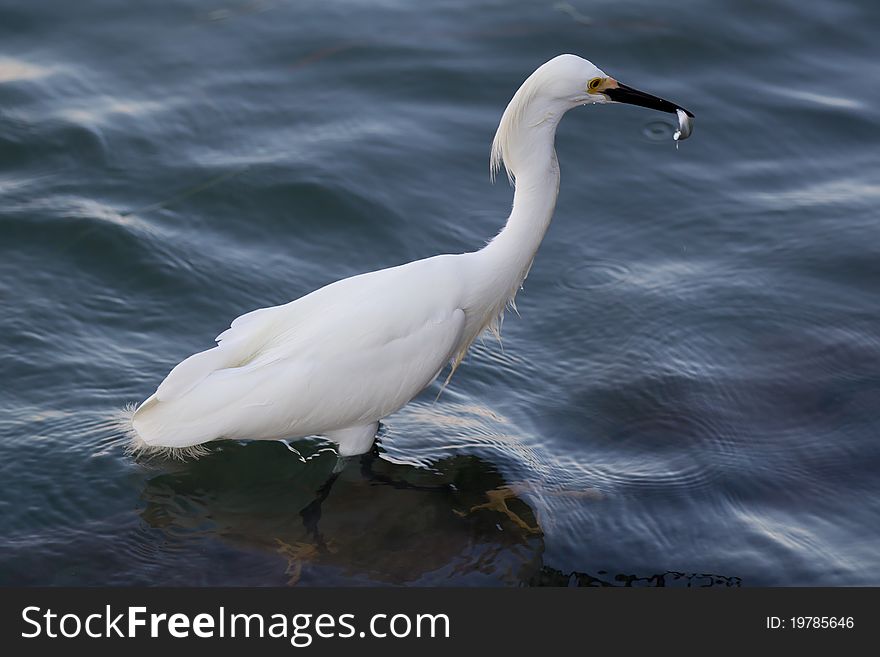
[274,371]
[336,361]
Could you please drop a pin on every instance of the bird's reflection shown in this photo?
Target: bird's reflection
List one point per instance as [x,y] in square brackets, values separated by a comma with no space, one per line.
[457,521]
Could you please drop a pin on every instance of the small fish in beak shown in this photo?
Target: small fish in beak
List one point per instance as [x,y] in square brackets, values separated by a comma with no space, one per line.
[621,93]
[684,125]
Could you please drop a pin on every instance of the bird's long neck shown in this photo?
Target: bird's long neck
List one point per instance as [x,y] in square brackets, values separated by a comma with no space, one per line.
[531,158]
[524,142]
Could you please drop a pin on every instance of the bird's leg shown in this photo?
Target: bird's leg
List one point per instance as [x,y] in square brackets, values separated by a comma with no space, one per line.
[339,466]
[296,555]
[366,462]
[311,514]
[498,502]
[353,441]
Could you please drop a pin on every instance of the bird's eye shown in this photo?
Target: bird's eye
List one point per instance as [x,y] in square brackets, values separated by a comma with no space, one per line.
[593,84]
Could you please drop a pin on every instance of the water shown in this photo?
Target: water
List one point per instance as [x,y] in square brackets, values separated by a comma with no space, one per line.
[689,396]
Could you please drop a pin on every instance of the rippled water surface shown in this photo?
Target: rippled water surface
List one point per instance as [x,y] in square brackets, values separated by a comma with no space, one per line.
[689,397]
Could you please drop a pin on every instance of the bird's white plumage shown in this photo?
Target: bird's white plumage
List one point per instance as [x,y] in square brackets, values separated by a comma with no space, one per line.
[345,355]
[338,360]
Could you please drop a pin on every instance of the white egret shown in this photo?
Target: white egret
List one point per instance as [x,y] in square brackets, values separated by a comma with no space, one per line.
[338,360]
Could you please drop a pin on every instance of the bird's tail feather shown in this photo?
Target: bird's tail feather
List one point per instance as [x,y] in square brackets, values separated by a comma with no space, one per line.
[138,448]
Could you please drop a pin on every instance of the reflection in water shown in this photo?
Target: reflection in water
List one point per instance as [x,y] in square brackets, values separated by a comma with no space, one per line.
[456,521]
[375,521]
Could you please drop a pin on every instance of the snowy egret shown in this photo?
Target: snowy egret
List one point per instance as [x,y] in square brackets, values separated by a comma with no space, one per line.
[338,360]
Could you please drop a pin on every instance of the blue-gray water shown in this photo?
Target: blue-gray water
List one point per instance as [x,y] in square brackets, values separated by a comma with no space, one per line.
[690,396]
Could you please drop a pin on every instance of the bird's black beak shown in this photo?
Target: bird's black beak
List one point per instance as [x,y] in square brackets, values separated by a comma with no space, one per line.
[620,93]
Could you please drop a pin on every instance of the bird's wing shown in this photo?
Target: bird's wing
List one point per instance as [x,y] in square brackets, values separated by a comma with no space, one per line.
[236,346]
[340,383]
[350,352]
[349,315]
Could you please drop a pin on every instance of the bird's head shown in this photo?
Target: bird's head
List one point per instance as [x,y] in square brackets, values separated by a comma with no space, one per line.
[557,86]
[570,81]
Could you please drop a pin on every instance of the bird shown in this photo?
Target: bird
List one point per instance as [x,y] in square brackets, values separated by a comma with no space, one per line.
[337,361]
